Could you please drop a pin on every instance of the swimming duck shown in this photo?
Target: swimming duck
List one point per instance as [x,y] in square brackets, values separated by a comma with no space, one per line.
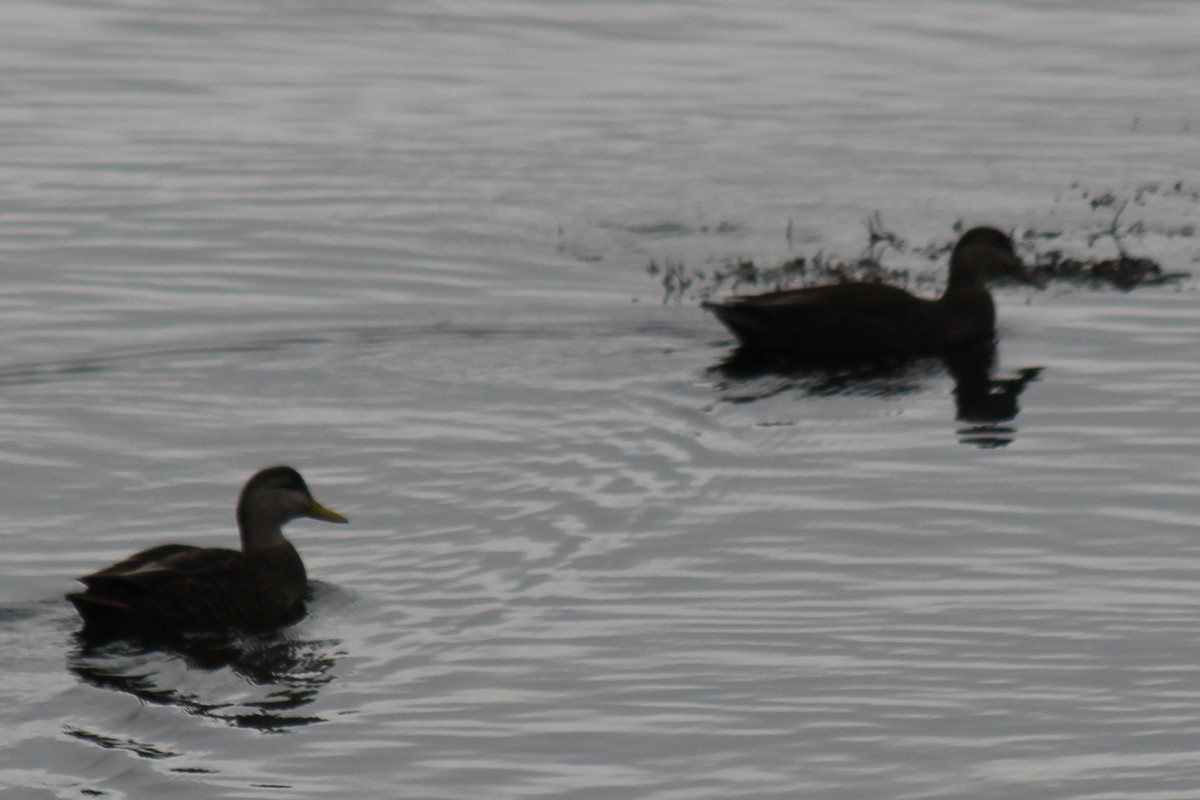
[172,589]
[849,320]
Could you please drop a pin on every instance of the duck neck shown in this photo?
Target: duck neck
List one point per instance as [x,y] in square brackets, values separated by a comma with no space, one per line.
[967,312]
[964,279]
[261,537]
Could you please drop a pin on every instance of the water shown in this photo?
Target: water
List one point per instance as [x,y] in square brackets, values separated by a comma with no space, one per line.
[403,247]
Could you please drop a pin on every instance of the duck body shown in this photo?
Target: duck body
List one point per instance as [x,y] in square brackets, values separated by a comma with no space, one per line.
[850,320]
[171,590]
[177,589]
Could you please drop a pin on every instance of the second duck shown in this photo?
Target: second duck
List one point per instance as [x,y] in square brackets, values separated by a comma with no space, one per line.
[864,320]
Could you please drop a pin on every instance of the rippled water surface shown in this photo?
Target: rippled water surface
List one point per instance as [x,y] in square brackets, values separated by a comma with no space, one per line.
[403,246]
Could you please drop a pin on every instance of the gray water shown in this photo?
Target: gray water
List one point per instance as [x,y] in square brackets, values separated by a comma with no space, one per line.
[403,247]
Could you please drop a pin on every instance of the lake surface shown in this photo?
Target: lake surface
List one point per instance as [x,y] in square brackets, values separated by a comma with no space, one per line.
[404,247]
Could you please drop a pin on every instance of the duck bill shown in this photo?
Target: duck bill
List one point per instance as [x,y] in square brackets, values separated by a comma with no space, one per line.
[318,511]
[1022,273]
[1017,270]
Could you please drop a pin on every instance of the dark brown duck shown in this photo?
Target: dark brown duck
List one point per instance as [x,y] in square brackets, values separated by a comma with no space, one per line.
[849,320]
[175,589]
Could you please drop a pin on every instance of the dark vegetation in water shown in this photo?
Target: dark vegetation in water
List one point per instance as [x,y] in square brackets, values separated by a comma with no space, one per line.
[1124,270]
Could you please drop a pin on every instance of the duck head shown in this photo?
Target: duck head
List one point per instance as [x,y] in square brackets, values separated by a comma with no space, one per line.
[272,498]
[983,255]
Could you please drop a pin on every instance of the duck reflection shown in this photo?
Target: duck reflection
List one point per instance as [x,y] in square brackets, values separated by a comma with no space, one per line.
[985,404]
[290,672]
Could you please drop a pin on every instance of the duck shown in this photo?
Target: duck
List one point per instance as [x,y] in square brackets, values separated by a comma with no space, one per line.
[859,319]
[173,590]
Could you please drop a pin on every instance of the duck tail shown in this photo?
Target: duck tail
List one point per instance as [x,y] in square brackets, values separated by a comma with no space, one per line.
[742,323]
[103,618]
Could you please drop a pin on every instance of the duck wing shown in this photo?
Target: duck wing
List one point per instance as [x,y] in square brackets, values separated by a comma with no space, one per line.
[144,558]
[840,297]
